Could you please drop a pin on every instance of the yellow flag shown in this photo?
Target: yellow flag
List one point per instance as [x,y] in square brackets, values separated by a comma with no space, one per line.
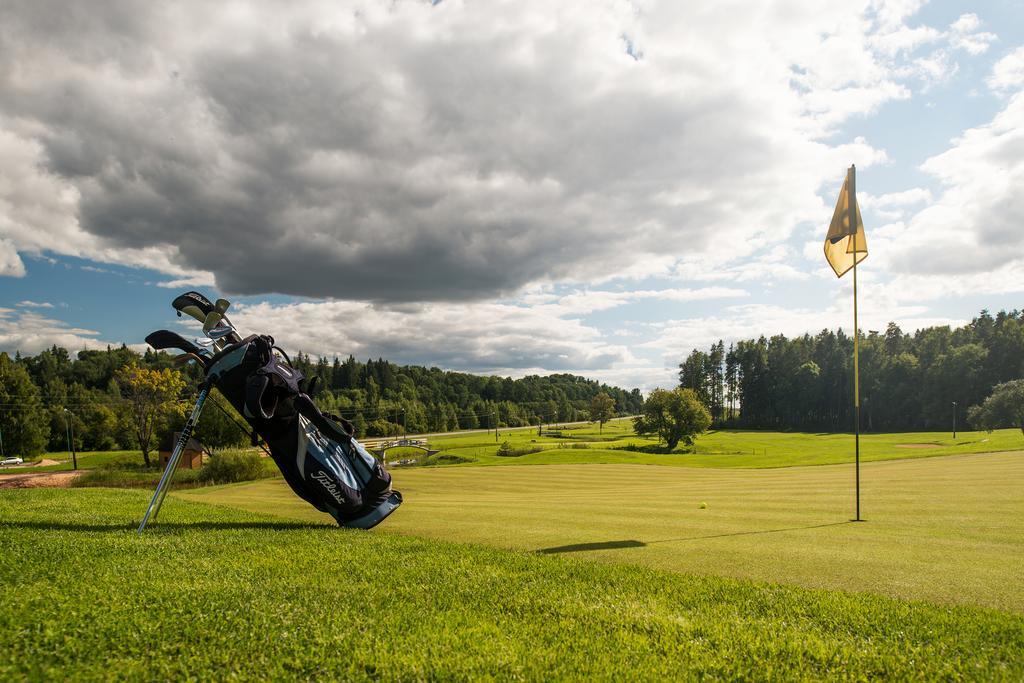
[842,243]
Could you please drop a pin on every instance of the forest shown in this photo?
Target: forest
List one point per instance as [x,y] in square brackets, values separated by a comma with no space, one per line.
[908,381]
[51,398]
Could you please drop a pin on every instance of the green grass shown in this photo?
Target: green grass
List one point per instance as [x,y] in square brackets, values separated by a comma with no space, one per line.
[720,449]
[86,461]
[137,478]
[948,530]
[212,593]
[588,444]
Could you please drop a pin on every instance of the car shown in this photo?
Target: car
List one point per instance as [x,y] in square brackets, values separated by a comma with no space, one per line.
[13,460]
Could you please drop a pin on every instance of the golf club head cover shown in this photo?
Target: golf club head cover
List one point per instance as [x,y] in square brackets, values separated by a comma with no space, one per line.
[165,339]
[193,304]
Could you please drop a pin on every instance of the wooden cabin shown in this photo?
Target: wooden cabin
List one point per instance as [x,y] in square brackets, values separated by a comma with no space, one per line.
[191,457]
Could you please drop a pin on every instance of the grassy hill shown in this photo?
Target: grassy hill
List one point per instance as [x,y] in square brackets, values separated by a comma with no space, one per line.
[214,592]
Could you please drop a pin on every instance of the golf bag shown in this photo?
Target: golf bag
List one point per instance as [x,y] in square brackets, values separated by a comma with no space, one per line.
[315,451]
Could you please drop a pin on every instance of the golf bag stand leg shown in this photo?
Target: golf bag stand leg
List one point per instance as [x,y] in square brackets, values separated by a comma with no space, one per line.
[172,463]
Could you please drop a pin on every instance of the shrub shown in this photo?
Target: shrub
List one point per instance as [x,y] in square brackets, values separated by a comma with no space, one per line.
[505,450]
[131,478]
[226,467]
[448,459]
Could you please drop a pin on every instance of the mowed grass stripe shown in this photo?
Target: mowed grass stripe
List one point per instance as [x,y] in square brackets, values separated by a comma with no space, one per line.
[947,530]
[213,593]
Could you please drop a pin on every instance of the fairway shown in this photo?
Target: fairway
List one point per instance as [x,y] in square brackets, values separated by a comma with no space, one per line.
[214,594]
[945,529]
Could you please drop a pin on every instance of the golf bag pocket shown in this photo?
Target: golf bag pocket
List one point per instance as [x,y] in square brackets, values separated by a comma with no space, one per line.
[328,471]
[341,476]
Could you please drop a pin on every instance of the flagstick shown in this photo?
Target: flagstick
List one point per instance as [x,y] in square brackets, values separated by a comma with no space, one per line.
[852,198]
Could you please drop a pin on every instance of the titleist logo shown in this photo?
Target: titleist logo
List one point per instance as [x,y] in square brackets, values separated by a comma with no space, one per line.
[328,483]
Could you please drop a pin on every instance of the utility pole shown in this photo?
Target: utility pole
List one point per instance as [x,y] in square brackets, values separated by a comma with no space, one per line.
[494,419]
[70,431]
[954,419]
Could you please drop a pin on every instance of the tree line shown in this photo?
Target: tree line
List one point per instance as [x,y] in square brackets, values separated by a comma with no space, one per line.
[53,397]
[384,399]
[908,381]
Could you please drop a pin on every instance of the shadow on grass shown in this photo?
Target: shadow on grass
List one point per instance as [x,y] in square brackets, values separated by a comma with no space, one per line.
[603,545]
[613,545]
[751,533]
[157,527]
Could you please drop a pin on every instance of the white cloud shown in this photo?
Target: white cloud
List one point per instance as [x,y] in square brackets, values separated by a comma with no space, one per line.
[916,195]
[501,338]
[30,333]
[973,227]
[894,205]
[11,264]
[400,152]
[1008,72]
[484,337]
[39,210]
[964,35]
[199,280]
[937,67]
[765,264]
[34,304]
[588,301]
[904,39]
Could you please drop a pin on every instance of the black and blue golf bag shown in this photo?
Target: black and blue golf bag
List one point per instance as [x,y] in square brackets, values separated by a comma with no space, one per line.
[316,452]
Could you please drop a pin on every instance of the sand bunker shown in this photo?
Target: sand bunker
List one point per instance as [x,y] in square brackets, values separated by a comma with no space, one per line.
[35,480]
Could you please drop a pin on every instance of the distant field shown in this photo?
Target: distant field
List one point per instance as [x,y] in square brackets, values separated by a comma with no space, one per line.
[584,444]
[212,594]
[947,530]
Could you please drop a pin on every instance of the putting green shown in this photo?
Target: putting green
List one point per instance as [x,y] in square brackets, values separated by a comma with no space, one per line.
[945,529]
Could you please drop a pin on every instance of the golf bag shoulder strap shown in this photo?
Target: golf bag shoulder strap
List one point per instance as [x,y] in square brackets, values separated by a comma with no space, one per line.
[271,381]
[336,427]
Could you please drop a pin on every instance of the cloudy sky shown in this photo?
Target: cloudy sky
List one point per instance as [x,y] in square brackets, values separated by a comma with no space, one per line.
[508,187]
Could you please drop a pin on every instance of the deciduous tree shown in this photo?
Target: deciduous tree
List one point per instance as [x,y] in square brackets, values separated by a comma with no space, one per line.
[602,409]
[152,399]
[675,416]
[1004,408]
